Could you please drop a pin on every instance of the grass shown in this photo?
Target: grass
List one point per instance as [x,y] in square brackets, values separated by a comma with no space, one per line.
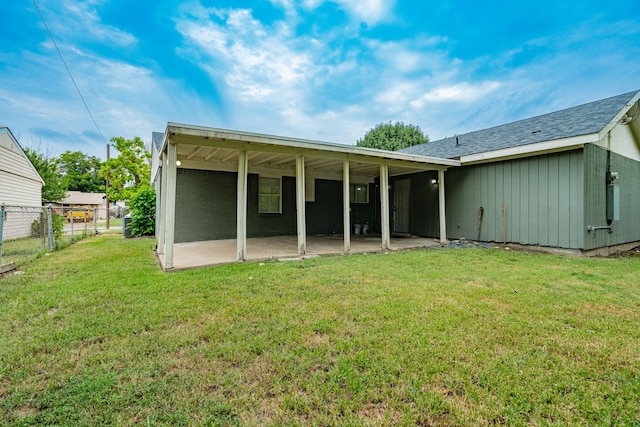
[21,250]
[96,334]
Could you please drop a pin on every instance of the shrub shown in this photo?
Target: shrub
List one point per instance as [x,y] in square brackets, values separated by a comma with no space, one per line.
[143,212]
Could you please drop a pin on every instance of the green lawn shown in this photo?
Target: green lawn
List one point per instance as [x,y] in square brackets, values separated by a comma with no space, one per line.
[96,334]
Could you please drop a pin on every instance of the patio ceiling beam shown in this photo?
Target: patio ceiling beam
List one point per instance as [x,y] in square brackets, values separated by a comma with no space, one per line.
[317,163]
[194,152]
[280,162]
[265,159]
[200,135]
[211,154]
[230,156]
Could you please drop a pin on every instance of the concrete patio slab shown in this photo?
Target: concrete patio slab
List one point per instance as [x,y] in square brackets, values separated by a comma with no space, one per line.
[218,252]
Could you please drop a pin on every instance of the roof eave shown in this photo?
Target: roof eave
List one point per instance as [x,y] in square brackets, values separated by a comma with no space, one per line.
[546,147]
[296,143]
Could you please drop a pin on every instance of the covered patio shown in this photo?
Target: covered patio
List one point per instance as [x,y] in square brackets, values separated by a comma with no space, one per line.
[281,248]
[210,186]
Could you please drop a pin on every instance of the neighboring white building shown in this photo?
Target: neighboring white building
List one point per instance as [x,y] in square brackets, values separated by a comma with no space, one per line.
[20,183]
[20,187]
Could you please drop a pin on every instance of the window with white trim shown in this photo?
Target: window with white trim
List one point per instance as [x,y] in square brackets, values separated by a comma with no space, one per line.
[358,193]
[269,193]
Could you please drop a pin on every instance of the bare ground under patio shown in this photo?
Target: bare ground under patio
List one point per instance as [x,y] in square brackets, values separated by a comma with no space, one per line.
[218,252]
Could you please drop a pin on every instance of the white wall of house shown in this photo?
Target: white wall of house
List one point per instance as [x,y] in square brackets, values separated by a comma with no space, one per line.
[625,140]
[20,184]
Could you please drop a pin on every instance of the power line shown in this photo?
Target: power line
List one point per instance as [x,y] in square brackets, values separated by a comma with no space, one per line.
[69,71]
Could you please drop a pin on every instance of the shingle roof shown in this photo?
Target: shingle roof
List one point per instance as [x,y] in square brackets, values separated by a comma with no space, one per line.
[157,138]
[80,198]
[575,121]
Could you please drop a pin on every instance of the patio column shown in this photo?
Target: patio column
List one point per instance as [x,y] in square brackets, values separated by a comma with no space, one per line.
[170,204]
[163,204]
[241,234]
[443,219]
[384,206]
[300,206]
[346,206]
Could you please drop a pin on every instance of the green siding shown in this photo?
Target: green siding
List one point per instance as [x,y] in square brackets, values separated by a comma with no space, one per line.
[628,228]
[542,199]
[206,207]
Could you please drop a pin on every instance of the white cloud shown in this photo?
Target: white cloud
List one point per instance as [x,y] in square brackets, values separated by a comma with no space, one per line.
[253,61]
[461,92]
[82,19]
[369,11]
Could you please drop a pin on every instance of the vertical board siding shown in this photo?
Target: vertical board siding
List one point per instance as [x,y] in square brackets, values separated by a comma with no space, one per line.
[576,188]
[514,214]
[534,192]
[554,184]
[508,202]
[541,196]
[543,201]
[628,228]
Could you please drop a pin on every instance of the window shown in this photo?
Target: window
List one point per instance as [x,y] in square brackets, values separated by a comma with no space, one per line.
[270,201]
[358,193]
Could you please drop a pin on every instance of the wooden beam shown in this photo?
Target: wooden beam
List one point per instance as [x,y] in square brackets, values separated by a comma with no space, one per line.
[384,207]
[212,153]
[230,156]
[194,152]
[265,159]
[170,214]
[285,160]
[441,204]
[346,206]
[241,233]
[300,206]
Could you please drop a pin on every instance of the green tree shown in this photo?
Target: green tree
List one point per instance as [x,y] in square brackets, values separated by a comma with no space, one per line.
[393,136]
[80,172]
[53,189]
[129,171]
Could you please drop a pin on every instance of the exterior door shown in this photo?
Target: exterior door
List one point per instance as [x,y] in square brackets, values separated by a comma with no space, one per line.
[401,206]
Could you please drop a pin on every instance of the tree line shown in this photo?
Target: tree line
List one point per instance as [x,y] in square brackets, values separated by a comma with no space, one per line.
[128,173]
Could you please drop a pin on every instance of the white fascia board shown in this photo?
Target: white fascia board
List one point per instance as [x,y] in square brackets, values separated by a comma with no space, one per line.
[552,146]
[295,144]
[619,116]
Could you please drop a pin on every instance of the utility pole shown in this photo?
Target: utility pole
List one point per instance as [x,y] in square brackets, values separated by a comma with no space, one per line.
[106,187]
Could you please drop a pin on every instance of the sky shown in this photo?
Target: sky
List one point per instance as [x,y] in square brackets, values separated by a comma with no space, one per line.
[312,69]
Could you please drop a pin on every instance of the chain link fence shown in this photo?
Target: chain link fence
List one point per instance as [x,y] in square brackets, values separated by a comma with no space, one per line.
[27,232]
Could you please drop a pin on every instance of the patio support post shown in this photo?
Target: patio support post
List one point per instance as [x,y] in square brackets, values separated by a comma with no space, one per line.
[241,236]
[443,219]
[170,214]
[163,206]
[384,207]
[300,206]
[346,206]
